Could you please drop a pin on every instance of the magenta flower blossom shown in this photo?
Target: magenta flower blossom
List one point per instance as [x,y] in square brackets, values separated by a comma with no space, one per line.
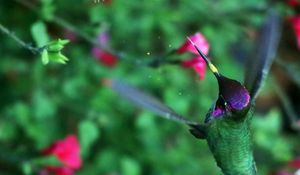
[295,22]
[199,40]
[67,151]
[105,57]
[57,171]
[197,63]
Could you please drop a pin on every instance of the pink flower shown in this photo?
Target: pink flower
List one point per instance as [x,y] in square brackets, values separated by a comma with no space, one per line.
[199,40]
[67,151]
[295,163]
[197,63]
[57,171]
[105,57]
[295,21]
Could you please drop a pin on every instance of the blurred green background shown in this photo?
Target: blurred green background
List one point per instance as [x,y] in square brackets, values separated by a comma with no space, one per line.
[43,103]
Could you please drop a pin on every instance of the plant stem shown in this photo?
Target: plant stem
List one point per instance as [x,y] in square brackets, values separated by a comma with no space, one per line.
[25,45]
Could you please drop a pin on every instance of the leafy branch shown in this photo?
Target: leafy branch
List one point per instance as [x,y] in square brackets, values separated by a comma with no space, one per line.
[35,50]
[49,52]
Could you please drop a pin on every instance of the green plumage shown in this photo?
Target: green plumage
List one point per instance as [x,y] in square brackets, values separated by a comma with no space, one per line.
[229,140]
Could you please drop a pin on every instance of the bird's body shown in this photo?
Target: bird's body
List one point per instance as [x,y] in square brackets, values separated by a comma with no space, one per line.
[230,143]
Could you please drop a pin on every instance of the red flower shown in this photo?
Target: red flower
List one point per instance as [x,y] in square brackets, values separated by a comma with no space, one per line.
[106,58]
[293,2]
[199,40]
[57,171]
[67,151]
[197,63]
[295,163]
[295,21]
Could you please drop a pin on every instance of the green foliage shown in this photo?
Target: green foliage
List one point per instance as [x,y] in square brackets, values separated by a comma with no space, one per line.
[130,167]
[88,135]
[267,136]
[41,104]
[51,51]
[39,33]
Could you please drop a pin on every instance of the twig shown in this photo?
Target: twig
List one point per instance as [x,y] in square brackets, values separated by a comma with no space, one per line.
[25,45]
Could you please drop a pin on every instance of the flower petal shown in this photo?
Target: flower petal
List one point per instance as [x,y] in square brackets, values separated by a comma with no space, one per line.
[295,21]
[106,58]
[191,62]
[295,163]
[67,151]
[197,63]
[200,68]
[199,40]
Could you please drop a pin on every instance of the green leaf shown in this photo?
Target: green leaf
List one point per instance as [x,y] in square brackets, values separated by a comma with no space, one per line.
[27,168]
[57,45]
[63,41]
[54,52]
[130,166]
[43,106]
[47,9]
[268,137]
[107,160]
[58,58]
[45,57]
[88,134]
[8,130]
[39,33]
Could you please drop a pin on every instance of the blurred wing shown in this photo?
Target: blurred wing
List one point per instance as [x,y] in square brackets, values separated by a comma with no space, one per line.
[259,65]
[143,100]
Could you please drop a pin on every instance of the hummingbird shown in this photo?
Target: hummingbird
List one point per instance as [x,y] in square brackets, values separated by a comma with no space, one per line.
[227,126]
